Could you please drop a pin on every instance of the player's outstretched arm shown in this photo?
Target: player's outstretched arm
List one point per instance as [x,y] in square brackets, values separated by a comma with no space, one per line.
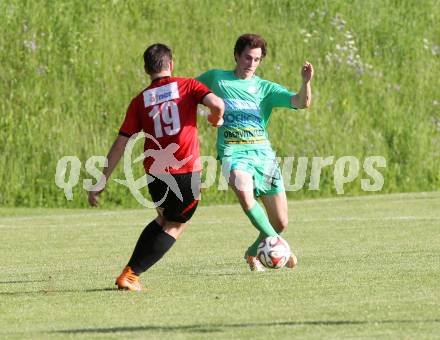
[217,108]
[113,157]
[303,99]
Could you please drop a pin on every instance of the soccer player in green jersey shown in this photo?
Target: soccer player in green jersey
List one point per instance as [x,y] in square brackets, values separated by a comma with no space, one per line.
[248,161]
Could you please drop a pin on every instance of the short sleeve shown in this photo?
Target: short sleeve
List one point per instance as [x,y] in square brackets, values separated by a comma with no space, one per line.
[207,78]
[279,96]
[199,90]
[131,124]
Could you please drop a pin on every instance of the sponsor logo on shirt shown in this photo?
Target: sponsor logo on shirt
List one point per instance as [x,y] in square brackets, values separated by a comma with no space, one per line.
[244,136]
[161,94]
[231,118]
[252,89]
[227,83]
[242,105]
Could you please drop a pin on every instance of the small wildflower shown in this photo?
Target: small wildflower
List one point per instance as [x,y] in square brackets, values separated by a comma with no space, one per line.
[41,70]
[348,35]
[330,104]
[425,44]
[378,74]
[31,45]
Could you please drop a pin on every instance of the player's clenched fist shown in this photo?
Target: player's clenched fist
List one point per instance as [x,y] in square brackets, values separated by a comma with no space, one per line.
[307,72]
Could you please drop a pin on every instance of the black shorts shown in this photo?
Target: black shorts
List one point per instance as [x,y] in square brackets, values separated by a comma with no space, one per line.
[176,196]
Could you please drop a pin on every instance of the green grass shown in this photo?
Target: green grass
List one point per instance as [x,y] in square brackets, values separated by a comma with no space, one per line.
[69,69]
[368,267]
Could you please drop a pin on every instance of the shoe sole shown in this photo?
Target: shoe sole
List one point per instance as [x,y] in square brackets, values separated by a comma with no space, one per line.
[295,262]
[128,287]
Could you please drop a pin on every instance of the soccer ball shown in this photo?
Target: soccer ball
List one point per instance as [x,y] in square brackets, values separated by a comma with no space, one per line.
[273,252]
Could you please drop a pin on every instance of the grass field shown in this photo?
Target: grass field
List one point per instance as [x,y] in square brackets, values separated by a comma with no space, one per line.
[69,69]
[369,267]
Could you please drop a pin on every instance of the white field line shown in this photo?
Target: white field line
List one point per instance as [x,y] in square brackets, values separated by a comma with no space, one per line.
[83,214]
[343,219]
[406,197]
[222,221]
[152,212]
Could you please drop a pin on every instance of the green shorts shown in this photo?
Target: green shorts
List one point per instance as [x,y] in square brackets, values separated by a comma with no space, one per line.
[261,164]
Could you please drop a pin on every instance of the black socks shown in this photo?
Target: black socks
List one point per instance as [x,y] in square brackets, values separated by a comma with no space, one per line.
[152,245]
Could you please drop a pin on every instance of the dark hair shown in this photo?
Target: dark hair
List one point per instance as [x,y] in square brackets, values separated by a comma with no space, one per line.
[157,57]
[251,40]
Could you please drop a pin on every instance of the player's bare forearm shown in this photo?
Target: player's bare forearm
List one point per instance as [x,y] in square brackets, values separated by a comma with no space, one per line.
[303,99]
[113,157]
[217,108]
[115,154]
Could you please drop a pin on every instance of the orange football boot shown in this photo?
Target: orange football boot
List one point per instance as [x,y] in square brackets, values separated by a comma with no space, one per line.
[254,263]
[291,262]
[128,280]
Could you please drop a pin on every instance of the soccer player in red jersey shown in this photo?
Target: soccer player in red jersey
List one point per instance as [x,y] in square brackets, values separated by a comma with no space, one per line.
[167,112]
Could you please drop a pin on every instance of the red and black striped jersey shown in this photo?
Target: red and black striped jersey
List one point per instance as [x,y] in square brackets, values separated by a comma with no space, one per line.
[167,111]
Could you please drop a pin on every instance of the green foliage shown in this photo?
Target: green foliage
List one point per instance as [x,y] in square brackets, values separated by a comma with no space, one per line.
[69,69]
[368,267]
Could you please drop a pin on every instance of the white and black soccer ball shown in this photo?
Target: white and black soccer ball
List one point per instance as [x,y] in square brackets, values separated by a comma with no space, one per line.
[273,252]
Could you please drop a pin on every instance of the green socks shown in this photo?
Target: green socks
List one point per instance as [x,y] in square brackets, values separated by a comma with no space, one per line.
[259,219]
[252,250]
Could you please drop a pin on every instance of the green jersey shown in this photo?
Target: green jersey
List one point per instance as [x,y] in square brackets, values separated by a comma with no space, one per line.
[248,105]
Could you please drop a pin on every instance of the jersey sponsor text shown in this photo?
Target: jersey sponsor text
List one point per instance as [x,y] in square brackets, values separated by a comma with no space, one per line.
[161,94]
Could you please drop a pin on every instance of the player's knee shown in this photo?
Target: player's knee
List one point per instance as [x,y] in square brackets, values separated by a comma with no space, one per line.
[247,205]
[160,220]
[281,224]
[246,201]
[174,229]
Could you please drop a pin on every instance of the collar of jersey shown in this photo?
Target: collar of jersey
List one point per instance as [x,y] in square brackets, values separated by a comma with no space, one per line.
[160,78]
[254,77]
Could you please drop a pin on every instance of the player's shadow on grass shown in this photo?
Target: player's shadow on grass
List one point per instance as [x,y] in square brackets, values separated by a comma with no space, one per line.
[217,328]
[21,281]
[60,291]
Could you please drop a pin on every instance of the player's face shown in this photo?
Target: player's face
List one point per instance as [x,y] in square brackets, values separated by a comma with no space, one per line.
[247,62]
